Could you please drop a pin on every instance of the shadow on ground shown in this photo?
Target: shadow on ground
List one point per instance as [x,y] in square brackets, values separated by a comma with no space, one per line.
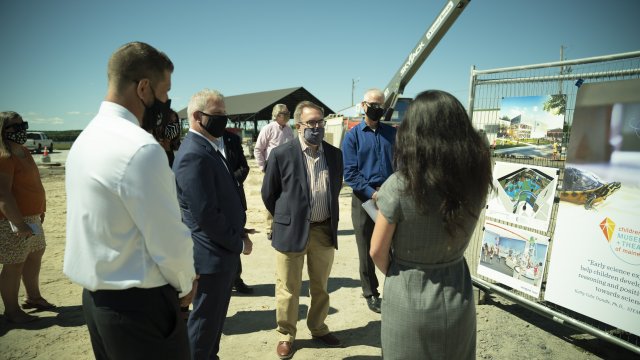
[579,338]
[335,283]
[66,316]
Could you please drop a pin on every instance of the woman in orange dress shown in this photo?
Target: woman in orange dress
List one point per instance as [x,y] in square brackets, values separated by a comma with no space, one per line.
[22,208]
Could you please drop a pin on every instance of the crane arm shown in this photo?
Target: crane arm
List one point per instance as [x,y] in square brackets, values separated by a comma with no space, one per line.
[452,9]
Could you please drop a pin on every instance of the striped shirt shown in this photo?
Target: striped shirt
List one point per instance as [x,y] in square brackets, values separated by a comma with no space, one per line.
[318,181]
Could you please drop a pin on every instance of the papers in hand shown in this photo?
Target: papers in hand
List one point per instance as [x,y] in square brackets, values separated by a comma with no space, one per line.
[36,228]
[370,207]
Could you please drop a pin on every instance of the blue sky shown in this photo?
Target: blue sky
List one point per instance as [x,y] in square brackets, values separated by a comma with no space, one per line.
[54,53]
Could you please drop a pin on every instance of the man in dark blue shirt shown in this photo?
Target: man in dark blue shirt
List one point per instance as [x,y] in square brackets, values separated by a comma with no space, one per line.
[368,156]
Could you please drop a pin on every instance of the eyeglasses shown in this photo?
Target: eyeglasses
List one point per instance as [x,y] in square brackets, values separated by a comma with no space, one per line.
[18,126]
[313,123]
[284,113]
[214,115]
[373,105]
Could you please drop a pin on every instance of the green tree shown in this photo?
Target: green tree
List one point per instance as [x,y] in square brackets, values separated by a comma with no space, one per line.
[556,104]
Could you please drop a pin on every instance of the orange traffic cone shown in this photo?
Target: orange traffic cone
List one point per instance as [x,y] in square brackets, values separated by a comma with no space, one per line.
[45,155]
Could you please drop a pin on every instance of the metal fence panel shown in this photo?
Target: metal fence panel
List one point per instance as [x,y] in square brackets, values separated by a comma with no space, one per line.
[487,89]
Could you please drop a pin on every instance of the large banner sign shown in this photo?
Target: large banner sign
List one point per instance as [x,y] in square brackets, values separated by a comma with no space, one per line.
[524,194]
[513,257]
[595,258]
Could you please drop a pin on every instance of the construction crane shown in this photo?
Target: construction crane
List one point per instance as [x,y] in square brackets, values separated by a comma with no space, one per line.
[427,42]
[338,124]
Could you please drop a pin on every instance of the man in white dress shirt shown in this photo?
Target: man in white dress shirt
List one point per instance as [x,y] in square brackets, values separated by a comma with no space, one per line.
[126,245]
[274,134]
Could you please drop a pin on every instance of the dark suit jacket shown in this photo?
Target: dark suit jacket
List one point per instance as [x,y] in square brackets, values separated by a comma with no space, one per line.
[286,195]
[237,160]
[211,205]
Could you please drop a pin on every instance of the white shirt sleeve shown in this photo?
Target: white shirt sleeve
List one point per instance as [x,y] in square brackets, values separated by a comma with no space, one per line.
[148,191]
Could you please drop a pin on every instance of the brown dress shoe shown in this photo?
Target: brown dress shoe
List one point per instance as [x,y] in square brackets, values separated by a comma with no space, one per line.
[329,340]
[284,349]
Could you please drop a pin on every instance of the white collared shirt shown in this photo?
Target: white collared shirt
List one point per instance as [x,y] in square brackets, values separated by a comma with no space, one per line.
[221,148]
[124,227]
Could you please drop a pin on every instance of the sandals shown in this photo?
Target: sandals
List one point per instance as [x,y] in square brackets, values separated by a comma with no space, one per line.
[39,304]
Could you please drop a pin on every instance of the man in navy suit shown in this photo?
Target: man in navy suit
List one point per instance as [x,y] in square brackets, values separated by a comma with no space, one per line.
[211,205]
[302,182]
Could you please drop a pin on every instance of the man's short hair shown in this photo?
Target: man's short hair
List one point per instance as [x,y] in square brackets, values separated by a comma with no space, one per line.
[306,104]
[200,100]
[135,61]
[278,108]
[374,92]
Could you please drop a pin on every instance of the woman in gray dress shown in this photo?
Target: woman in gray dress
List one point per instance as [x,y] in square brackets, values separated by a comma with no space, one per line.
[428,211]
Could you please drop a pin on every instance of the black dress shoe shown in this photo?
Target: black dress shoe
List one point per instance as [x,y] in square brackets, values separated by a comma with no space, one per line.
[242,288]
[329,340]
[373,302]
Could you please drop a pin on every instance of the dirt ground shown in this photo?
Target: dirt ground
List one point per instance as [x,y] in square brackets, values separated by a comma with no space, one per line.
[505,330]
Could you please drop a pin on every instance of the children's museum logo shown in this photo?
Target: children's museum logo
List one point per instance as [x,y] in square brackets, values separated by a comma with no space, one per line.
[623,238]
[607,226]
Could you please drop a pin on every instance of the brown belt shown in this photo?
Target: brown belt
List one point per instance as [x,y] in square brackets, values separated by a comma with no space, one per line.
[316,223]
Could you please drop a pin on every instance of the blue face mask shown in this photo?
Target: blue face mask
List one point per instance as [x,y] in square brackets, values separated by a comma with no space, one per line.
[314,135]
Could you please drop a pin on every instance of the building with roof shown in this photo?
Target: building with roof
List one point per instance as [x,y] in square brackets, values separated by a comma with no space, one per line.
[249,109]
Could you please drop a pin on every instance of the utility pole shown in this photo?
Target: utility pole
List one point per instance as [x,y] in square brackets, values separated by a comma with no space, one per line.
[563,139]
[353,88]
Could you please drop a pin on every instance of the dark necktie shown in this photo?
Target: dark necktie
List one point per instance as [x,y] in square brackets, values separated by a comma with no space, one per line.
[224,160]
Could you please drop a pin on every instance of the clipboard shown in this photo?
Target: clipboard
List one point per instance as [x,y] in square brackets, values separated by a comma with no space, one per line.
[371,208]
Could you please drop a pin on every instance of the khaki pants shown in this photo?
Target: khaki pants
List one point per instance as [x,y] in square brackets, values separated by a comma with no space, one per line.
[269,223]
[319,252]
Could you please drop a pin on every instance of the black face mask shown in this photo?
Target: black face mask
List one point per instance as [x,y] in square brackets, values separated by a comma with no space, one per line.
[18,137]
[374,113]
[156,115]
[216,124]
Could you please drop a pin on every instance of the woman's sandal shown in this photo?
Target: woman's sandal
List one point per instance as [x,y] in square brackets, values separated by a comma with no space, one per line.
[40,304]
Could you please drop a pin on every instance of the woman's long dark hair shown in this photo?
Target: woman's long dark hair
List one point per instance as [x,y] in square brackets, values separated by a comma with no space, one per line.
[443,158]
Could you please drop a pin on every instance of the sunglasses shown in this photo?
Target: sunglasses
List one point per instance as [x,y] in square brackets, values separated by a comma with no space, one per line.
[373,105]
[18,126]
